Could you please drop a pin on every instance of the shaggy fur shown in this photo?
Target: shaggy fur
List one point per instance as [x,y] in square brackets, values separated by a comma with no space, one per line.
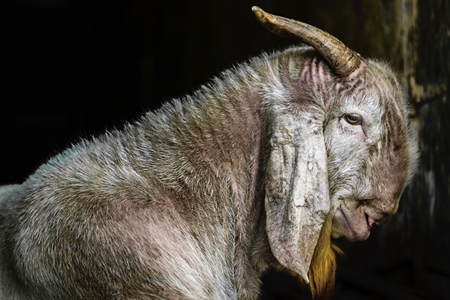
[196,200]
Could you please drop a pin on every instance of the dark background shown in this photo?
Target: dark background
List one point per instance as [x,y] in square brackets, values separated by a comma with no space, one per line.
[71,69]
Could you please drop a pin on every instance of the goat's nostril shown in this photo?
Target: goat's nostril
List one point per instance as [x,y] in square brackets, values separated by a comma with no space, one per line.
[368,220]
[371,222]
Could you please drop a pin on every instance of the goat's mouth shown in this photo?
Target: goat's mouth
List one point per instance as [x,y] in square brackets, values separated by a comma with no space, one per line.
[353,229]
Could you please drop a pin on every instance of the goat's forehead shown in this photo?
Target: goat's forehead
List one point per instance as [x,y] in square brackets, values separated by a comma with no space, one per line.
[383,82]
[378,90]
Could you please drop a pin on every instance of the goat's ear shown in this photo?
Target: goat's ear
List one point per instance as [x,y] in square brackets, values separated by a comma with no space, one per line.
[297,194]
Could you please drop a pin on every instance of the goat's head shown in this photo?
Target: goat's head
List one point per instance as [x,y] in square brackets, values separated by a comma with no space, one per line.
[340,157]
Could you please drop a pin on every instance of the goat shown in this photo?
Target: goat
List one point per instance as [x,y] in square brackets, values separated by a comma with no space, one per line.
[259,169]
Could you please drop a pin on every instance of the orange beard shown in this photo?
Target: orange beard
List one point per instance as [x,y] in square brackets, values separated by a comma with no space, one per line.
[323,266]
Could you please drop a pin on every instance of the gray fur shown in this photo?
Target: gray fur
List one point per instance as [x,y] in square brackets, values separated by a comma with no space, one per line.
[174,205]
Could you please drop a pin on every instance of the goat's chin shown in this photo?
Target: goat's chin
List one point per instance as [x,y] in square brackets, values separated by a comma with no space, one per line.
[353,229]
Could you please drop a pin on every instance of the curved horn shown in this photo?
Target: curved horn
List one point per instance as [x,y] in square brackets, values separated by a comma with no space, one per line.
[340,58]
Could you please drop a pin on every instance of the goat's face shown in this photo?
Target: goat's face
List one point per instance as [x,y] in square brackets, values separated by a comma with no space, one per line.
[369,155]
[345,153]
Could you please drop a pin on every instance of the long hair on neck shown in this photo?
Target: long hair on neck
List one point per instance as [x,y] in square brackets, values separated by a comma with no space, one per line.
[323,266]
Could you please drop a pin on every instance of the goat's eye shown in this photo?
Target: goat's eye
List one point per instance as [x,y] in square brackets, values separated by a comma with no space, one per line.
[353,119]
